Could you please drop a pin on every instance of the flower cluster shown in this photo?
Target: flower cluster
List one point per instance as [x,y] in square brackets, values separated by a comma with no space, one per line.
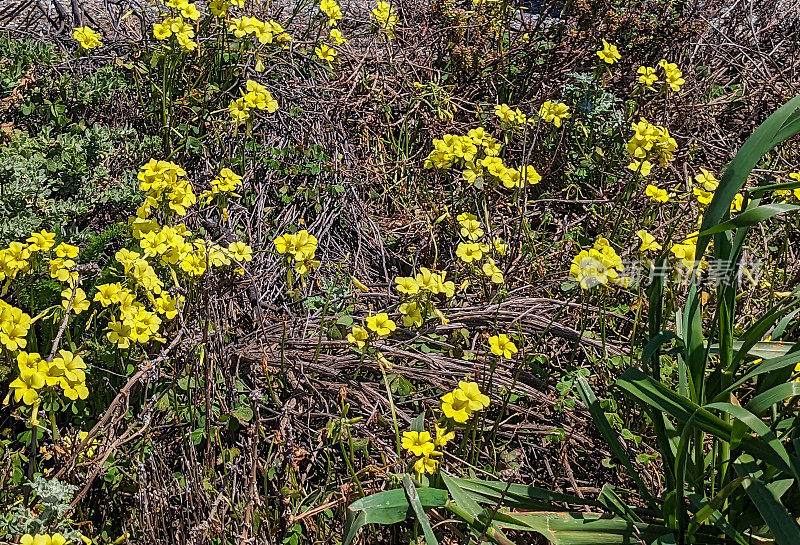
[385,18]
[477,154]
[67,371]
[177,24]
[14,326]
[332,9]
[257,97]
[554,112]
[167,190]
[597,266]
[418,295]
[509,117]
[673,77]
[87,38]
[457,407]
[707,185]
[461,403]
[266,32]
[474,251]
[43,539]
[648,144]
[299,247]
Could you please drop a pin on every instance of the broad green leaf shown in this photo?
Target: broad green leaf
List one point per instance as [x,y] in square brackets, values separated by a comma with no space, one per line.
[764,401]
[419,510]
[518,496]
[389,507]
[767,366]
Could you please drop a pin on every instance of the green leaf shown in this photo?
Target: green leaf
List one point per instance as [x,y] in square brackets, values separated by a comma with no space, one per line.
[750,217]
[783,527]
[389,507]
[774,130]
[568,528]
[600,420]
[419,510]
[762,189]
[518,496]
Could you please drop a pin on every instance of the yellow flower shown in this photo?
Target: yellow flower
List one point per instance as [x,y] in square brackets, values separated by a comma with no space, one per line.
[336,37]
[79,301]
[167,305]
[707,180]
[161,31]
[594,267]
[418,443]
[412,314]
[65,250]
[504,113]
[325,53]
[406,285]
[656,194]
[492,271]
[609,53]
[685,252]
[647,76]
[472,392]
[29,360]
[381,324]
[240,251]
[41,242]
[385,17]
[455,405]
[648,241]
[703,197]
[358,336]
[442,436]
[239,110]
[26,385]
[470,251]
[88,38]
[332,10]
[72,366]
[642,167]
[499,246]
[673,77]
[14,326]
[736,204]
[554,112]
[501,345]
[471,229]
[119,333]
[529,175]
[75,390]
[219,8]
[426,465]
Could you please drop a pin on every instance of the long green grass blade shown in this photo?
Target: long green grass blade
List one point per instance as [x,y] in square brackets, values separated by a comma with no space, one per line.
[783,527]
[610,436]
[751,217]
